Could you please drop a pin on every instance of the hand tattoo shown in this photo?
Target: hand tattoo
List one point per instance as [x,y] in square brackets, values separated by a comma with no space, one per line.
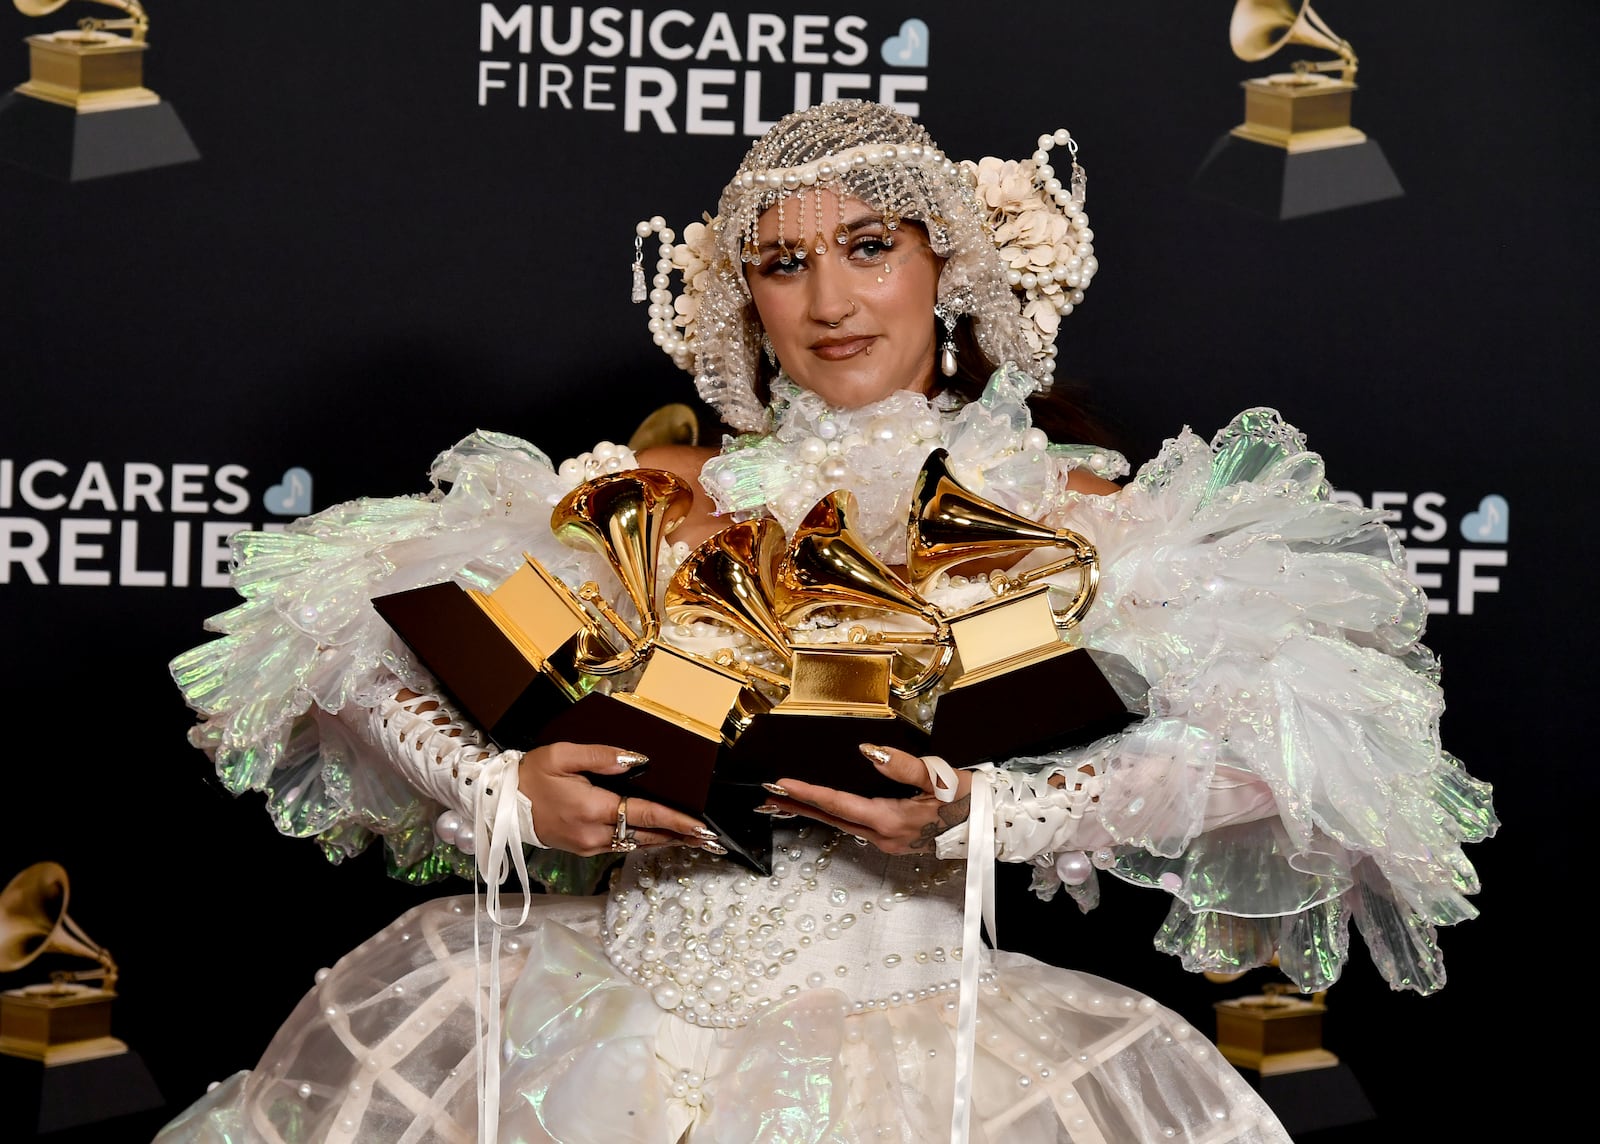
[950,814]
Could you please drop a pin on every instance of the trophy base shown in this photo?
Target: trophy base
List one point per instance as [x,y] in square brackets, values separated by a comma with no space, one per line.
[681,773]
[1061,700]
[1311,1100]
[44,1097]
[51,139]
[1280,183]
[825,750]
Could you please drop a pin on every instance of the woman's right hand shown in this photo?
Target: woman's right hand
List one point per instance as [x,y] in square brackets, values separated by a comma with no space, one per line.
[573,814]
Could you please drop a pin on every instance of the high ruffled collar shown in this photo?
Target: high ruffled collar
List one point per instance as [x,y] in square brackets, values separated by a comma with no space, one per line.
[877,450]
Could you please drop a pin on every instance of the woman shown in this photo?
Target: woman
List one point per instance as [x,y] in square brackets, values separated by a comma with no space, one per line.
[842,311]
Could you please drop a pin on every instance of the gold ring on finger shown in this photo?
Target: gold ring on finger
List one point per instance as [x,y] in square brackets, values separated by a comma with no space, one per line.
[622,839]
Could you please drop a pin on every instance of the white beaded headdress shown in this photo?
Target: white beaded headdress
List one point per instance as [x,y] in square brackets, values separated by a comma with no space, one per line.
[1016,242]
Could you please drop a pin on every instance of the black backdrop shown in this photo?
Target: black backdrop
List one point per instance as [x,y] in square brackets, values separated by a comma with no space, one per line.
[366,263]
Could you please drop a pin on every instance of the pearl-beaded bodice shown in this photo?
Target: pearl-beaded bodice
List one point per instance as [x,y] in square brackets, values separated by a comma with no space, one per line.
[716,942]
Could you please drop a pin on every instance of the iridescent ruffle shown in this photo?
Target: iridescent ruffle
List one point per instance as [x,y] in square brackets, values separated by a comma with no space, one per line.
[305,644]
[1279,634]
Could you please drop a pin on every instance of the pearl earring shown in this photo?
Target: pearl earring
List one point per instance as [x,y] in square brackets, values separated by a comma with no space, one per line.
[947,351]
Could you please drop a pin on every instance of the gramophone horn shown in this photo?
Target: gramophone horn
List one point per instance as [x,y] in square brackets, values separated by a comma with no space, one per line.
[1261,27]
[135,19]
[673,424]
[38,7]
[728,579]
[827,564]
[34,921]
[949,525]
[624,517]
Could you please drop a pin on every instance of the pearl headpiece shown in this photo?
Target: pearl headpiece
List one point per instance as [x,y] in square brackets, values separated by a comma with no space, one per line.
[1018,252]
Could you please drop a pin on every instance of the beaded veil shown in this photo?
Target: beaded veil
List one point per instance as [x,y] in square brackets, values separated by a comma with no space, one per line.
[1017,249]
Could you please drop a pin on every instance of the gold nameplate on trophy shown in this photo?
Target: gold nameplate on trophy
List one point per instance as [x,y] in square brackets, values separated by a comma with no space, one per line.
[1005,634]
[539,614]
[839,697]
[693,693]
[840,679]
[1273,1032]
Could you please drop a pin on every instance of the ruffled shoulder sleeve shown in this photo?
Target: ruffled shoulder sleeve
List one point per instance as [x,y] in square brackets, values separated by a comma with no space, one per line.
[1280,638]
[305,646]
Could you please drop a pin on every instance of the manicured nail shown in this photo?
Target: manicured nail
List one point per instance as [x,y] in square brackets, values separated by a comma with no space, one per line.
[706,833]
[774,788]
[627,760]
[768,808]
[877,754]
[714,848]
[783,814]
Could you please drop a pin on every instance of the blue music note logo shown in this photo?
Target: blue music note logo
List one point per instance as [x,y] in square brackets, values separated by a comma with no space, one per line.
[1490,523]
[291,496]
[909,49]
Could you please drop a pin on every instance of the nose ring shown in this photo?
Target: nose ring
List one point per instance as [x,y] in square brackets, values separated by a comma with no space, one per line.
[851,314]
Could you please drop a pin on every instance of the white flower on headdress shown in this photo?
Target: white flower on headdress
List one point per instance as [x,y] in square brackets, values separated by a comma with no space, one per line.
[1033,236]
[1004,185]
[1044,315]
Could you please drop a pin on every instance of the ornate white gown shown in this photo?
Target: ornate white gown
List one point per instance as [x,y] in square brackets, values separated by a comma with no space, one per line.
[1284,780]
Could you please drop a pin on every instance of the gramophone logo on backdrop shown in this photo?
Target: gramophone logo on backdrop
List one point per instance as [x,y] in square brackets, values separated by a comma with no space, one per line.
[1296,153]
[85,113]
[671,71]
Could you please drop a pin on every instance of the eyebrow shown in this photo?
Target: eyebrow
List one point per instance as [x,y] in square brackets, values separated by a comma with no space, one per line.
[862,223]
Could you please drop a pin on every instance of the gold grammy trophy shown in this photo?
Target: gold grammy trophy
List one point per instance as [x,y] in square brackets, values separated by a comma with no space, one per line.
[1305,108]
[1015,684]
[829,565]
[833,697]
[65,1020]
[81,1073]
[85,112]
[519,655]
[1296,153]
[682,710]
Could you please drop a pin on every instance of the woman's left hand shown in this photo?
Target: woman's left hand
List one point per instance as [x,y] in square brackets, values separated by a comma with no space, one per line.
[894,825]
